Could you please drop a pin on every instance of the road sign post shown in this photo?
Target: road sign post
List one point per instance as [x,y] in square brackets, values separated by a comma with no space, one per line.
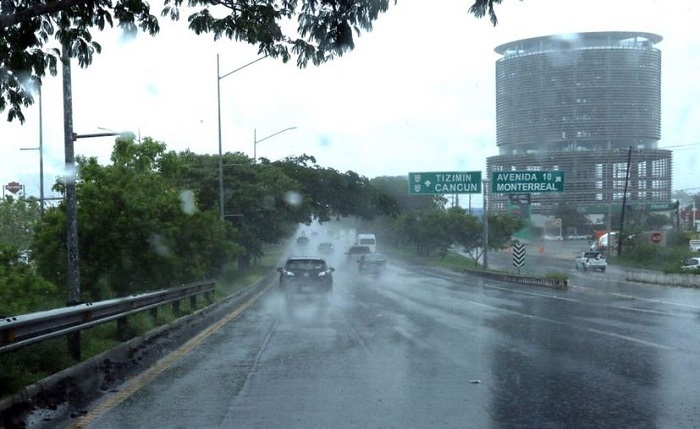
[445,182]
[516,182]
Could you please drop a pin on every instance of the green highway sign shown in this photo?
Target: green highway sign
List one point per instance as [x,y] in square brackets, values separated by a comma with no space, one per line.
[515,182]
[444,182]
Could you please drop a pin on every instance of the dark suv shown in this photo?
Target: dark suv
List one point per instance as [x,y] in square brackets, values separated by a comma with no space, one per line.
[306,275]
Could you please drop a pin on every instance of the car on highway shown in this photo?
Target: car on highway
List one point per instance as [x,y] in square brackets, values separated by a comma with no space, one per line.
[300,275]
[355,252]
[372,263]
[326,248]
[591,261]
[692,264]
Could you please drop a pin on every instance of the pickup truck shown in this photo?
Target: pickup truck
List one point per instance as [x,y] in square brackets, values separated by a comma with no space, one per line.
[591,261]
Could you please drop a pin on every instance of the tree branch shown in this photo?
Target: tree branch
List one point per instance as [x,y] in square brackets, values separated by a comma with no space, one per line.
[7,20]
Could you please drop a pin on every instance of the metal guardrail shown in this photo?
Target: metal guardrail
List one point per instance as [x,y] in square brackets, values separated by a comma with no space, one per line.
[20,331]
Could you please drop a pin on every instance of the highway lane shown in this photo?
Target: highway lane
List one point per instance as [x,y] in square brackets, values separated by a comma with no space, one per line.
[411,350]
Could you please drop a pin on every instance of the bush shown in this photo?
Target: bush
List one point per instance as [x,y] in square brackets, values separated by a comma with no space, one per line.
[556,276]
[653,257]
[22,290]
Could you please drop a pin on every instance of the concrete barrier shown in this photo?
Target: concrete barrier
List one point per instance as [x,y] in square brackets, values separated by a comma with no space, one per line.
[514,278]
[685,280]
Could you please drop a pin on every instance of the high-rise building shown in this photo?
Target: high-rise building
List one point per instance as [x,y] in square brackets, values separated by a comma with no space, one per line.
[578,103]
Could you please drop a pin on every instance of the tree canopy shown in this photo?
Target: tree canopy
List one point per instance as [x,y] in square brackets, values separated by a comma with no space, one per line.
[28,29]
[150,219]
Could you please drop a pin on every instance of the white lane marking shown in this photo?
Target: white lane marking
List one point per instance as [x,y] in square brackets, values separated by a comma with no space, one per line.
[557,322]
[140,380]
[628,338]
[656,301]
[612,334]
[541,295]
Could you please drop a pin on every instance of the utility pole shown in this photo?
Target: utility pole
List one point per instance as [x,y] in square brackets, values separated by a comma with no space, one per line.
[73,272]
[624,205]
[485,250]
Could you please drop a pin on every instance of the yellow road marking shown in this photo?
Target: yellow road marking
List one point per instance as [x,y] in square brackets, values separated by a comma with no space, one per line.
[149,375]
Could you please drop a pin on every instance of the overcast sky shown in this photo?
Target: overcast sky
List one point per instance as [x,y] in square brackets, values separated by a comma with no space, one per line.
[416,94]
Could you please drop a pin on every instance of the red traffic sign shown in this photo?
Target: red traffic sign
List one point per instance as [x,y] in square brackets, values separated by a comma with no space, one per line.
[656,237]
[13,187]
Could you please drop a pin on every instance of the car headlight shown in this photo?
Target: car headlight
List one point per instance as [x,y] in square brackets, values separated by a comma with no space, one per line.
[289,274]
[322,274]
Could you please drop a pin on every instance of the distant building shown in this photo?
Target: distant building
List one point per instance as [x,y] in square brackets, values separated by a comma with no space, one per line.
[577,103]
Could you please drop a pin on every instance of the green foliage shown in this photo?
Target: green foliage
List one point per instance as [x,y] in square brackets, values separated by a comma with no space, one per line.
[150,220]
[501,229]
[396,188]
[31,364]
[653,257]
[137,231]
[556,276]
[571,219]
[451,260]
[481,8]
[18,218]
[426,230]
[327,194]
[22,290]
[437,229]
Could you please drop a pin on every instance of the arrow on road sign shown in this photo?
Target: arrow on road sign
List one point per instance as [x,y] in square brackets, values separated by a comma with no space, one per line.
[518,255]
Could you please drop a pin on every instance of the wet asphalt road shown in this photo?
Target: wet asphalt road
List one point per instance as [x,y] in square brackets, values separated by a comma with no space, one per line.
[410,350]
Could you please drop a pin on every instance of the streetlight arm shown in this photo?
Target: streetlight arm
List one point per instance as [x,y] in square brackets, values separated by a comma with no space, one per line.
[272,135]
[86,136]
[256,141]
[242,67]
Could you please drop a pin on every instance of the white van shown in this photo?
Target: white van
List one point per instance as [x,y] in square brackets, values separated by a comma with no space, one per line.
[367,240]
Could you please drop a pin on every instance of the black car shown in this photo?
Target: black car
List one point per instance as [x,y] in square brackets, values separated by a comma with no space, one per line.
[306,275]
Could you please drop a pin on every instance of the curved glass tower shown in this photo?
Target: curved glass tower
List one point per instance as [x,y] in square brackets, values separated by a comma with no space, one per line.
[577,103]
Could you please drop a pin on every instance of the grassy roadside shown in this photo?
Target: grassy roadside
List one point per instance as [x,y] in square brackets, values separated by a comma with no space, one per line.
[451,260]
[455,262]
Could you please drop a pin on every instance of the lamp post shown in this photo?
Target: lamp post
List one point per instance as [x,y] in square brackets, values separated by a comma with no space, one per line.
[219,76]
[256,141]
[69,138]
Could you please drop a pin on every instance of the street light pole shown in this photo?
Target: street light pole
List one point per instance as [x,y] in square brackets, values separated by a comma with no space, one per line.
[485,250]
[218,104]
[256,141]
[221,155]
[41,156]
